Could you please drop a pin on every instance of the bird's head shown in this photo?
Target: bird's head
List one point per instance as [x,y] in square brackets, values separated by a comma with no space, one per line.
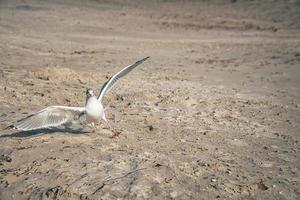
[89,93]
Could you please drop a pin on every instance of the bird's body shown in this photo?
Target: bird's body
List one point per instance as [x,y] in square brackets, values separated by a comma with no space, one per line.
[94,110]
[53,116]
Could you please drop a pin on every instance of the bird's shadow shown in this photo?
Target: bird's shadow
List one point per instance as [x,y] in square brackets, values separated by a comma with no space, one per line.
[45,131]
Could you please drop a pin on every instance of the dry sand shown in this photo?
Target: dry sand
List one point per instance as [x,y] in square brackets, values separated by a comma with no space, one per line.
[214,114]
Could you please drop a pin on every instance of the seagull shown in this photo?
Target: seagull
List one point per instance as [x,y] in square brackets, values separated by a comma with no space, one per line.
[56,115]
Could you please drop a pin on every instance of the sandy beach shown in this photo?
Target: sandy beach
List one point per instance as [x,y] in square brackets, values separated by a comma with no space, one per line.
[213,114]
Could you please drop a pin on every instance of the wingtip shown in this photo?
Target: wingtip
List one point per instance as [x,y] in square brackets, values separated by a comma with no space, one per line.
[142,60]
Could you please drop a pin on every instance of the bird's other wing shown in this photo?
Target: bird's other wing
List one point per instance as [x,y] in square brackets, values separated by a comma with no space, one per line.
[112,80]
[49,117]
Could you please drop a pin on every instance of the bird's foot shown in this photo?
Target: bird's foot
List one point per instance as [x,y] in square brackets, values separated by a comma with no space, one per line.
[116,133]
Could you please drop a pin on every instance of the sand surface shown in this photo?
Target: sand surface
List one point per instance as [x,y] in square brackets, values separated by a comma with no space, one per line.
[213,114]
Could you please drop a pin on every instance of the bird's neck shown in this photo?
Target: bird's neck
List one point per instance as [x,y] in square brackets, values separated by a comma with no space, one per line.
[92,98]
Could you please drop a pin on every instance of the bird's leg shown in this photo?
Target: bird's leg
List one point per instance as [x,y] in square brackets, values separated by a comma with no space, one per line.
[92,126]
[116,132]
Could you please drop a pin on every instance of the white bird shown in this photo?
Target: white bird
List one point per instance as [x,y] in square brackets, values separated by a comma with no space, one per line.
[54,116]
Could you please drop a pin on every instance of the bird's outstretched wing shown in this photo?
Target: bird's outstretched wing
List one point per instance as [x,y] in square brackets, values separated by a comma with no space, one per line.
[49,117]
[112,80]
